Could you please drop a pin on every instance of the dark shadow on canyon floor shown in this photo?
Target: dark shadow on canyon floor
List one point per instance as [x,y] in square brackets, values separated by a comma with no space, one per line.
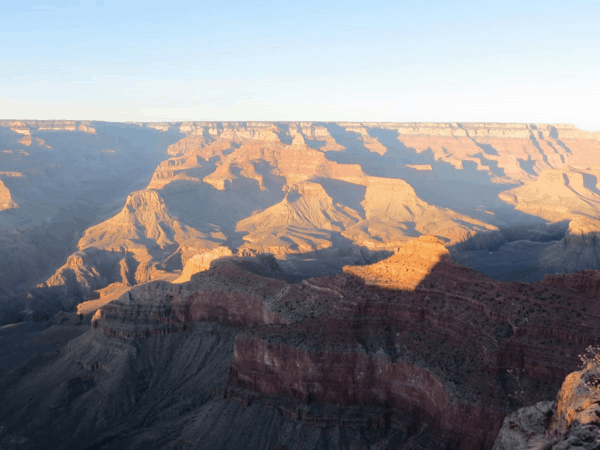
[530,253]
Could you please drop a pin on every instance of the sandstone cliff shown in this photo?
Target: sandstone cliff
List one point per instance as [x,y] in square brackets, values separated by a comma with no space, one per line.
[559,194]
[201,262]
[64,176]
[140,243]
[422,345]
[571,196]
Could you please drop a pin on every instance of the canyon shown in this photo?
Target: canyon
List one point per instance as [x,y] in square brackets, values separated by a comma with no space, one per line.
[291,285]
[349,358]
[317,196]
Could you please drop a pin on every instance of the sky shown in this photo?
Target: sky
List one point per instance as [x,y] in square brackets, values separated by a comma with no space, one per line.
[400,61]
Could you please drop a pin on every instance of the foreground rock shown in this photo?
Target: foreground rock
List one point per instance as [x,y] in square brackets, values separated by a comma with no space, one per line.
[346,361]
[572,422]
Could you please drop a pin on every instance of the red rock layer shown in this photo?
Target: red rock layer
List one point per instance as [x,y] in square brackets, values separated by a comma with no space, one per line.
[440,351]
[586,282]
[354,378]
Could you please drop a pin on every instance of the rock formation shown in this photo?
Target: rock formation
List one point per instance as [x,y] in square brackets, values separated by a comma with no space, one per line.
[201,262]
[369,351]
[305,192]
[570,422]
[142,242]
[365,349]
[406,268]
[6,201]
[414,351]
[559,194]
[64,176]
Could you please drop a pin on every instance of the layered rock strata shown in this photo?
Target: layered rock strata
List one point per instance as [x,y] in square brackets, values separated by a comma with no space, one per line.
[437,349]
[316,189]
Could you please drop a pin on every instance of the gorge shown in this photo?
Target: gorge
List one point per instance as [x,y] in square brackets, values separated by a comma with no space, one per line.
[291,285]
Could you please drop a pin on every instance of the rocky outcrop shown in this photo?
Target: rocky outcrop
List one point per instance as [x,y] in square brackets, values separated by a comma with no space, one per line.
[524,429]
[302,188]
[569,423]
[373,356]
[578,250]
[422,345]
[201,262]
[65,176]
[83,273]
[6,201]
[379,349]
[558,194]
[406,268]
[228,294]
[141,243]
[570,196]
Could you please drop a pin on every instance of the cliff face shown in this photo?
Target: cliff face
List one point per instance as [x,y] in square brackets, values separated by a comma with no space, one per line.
[218,295]
[422,345]
[372,348]
[63,166]
[142,242]
[376,353]
[558,194]
[201,262]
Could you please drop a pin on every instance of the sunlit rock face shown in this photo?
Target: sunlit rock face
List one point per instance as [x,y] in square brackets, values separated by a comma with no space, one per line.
[569,422]
[407,268]
[201,262]
[306,192]
[63,177]
[6,201]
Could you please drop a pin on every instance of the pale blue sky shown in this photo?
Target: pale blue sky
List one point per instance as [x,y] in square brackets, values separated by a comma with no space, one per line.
[501,61]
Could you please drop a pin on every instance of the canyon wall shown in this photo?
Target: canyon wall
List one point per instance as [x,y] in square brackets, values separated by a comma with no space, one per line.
[411,350]
[437,349]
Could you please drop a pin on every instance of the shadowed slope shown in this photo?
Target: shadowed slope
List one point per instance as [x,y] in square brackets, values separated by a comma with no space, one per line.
[328,355]
[142,242]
